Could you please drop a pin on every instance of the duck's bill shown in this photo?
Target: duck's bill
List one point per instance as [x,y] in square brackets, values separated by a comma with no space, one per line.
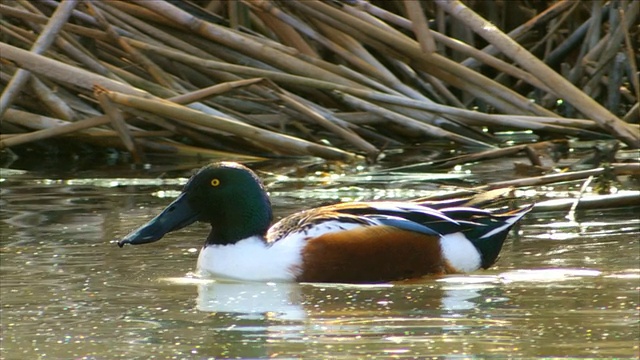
[175,216]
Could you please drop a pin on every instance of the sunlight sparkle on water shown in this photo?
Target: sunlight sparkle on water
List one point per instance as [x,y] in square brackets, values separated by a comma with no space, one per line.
[166,194]
[547,275]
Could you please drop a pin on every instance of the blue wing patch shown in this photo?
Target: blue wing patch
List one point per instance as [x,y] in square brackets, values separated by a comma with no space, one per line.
[403,224]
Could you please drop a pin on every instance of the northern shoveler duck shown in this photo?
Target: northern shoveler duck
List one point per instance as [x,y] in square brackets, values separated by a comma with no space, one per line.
[355,242]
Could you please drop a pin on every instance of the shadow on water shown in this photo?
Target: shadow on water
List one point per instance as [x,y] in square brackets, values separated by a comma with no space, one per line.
[561,287]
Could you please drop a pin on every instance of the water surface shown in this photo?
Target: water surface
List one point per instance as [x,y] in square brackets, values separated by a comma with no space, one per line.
[560,288]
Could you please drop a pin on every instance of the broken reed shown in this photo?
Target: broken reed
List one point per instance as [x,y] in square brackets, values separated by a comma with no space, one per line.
[334,80]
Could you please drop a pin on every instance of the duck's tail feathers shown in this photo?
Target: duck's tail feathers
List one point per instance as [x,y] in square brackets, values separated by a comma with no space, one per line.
[490,238]
[510,218]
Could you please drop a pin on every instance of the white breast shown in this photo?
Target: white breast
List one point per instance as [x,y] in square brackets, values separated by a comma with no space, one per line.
[253,260]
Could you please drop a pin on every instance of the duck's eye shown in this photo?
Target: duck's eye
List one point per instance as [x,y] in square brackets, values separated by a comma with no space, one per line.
[215,182]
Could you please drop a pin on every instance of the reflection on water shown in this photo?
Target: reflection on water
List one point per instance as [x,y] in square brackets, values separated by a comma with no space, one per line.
[67,291]
[251,300]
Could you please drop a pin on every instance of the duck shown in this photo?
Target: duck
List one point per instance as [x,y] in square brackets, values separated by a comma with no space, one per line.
[350,242]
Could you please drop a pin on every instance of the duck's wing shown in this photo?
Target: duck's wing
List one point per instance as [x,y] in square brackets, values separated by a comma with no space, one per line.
[401,215]
[419,217]
[321,219]
[475,223]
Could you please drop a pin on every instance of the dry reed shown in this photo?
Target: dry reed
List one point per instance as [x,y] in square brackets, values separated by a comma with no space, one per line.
[161,76]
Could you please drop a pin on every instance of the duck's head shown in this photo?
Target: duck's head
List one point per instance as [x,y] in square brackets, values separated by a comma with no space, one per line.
[229,196]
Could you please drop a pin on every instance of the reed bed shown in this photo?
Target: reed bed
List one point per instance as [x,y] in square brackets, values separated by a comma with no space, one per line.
[339,80]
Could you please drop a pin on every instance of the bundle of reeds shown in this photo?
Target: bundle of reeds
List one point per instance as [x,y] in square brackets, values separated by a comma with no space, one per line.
[334,79]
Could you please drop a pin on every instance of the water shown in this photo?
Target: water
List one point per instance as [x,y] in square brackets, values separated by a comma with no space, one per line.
[560,288]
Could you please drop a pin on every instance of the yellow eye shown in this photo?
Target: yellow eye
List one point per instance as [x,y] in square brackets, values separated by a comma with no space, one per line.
[215,182]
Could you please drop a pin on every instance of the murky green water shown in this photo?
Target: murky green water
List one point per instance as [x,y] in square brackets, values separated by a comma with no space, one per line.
[561,288]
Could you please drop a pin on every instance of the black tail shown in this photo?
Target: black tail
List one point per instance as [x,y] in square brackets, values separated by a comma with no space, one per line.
[488,239]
